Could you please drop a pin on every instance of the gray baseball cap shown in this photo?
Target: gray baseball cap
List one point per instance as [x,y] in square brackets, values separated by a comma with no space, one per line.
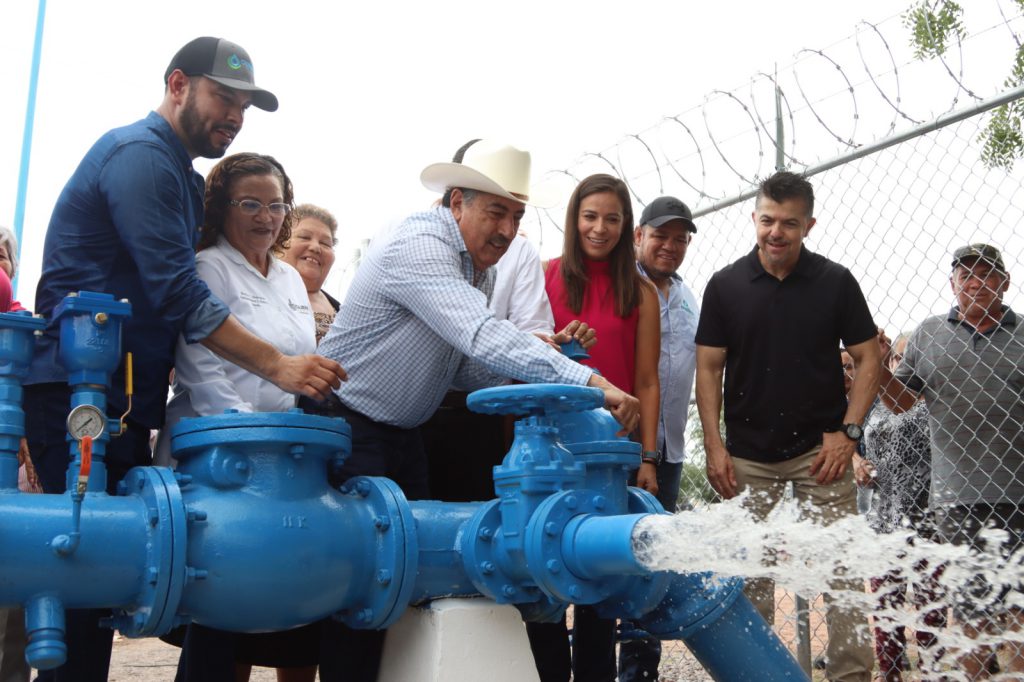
[974,252]
[666,209]
[224,62]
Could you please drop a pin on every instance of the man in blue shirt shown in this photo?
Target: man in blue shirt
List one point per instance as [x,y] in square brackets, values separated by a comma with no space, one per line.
[661,239]
[127,224]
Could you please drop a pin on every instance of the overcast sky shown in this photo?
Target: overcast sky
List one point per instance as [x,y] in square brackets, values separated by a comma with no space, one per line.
[372,92]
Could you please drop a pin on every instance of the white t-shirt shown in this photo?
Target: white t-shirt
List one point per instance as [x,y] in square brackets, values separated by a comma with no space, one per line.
[275,308]
[519,294]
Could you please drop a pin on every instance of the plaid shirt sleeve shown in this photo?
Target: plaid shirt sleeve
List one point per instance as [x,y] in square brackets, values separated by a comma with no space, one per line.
[426,280]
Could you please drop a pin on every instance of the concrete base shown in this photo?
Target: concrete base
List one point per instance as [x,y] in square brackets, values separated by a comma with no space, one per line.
[458,640]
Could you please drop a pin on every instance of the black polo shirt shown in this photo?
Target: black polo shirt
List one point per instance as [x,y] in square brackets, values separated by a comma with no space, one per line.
[783,372]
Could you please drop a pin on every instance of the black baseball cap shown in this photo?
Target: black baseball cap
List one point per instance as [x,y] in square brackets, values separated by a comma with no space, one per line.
[664,209]
[974,252]
[224,62]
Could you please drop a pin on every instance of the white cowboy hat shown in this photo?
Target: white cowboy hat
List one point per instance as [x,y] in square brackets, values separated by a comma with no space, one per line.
[487,166]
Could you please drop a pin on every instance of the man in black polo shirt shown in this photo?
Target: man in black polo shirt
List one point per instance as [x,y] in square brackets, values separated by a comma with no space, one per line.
[772,324]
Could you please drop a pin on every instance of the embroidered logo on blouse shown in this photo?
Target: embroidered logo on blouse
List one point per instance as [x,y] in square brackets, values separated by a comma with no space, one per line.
[255,299]
[298,306]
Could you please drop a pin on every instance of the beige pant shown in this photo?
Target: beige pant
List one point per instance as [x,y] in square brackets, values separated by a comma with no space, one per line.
[849,656]
[13,667]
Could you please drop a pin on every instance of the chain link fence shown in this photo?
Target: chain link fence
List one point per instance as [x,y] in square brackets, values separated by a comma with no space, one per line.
[898,149]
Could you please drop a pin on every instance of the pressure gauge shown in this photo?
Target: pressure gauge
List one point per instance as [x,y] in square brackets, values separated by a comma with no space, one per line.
[86,420]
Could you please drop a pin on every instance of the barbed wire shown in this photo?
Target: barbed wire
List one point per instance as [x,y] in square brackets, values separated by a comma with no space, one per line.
[893,146]
[860,89]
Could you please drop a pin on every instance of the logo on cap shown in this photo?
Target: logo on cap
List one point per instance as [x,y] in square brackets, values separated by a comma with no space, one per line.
[236,63]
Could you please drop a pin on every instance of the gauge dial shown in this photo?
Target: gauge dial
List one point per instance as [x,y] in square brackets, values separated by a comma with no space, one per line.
[86,420]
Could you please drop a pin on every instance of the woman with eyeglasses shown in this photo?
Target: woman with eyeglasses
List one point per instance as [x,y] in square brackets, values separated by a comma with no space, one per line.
[247,209]
[248,201]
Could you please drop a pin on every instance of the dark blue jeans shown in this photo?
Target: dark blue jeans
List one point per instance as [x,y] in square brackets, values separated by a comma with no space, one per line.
[46,409]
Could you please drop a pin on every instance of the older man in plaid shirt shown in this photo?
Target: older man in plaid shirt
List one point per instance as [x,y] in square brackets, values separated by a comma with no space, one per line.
[415,323]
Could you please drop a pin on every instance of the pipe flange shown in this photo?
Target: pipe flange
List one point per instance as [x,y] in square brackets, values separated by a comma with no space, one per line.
[165,573]
[396,554]
[323,436]
[482,564]
[535,399]
[544,548]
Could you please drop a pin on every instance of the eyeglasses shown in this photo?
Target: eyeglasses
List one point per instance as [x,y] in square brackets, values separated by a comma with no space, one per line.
[252,207]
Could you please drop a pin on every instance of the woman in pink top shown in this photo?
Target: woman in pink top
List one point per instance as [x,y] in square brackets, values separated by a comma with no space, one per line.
[597,282]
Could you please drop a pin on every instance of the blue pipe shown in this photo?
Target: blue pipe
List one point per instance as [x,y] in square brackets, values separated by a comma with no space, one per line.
[103,572]
[440,570]
[178,547]
[44,626]
[17,335]
[712,615]
[599,546]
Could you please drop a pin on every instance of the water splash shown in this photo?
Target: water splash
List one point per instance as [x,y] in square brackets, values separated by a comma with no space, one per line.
[806,557]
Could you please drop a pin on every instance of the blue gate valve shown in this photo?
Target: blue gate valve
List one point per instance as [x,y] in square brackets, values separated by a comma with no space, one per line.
[523,547]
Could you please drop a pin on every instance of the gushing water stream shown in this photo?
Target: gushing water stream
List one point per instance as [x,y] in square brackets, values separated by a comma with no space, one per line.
[803,557]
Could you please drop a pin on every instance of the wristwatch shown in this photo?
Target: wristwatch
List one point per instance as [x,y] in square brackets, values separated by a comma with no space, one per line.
[853,431]
[651,457]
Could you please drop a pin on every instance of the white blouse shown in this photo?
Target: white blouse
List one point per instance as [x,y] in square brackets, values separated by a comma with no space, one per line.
[275,308]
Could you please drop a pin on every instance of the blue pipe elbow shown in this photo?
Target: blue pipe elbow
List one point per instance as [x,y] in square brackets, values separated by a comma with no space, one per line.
[712,616]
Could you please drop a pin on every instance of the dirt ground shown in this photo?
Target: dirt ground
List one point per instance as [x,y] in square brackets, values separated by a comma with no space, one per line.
[151,660]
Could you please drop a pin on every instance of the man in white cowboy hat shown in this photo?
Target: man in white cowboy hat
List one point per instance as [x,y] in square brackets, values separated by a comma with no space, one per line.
[416,322]
[463,446]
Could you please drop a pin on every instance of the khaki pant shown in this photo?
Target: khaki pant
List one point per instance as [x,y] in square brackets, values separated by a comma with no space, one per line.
[13,667]
[849,656]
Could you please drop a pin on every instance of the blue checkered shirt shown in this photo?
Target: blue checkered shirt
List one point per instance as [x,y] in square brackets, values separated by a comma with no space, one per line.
[415,323]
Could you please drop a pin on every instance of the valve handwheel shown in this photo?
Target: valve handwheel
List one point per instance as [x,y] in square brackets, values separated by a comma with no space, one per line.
[536,399]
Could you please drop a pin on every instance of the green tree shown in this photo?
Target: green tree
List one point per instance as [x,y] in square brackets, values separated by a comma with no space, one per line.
[934,26]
